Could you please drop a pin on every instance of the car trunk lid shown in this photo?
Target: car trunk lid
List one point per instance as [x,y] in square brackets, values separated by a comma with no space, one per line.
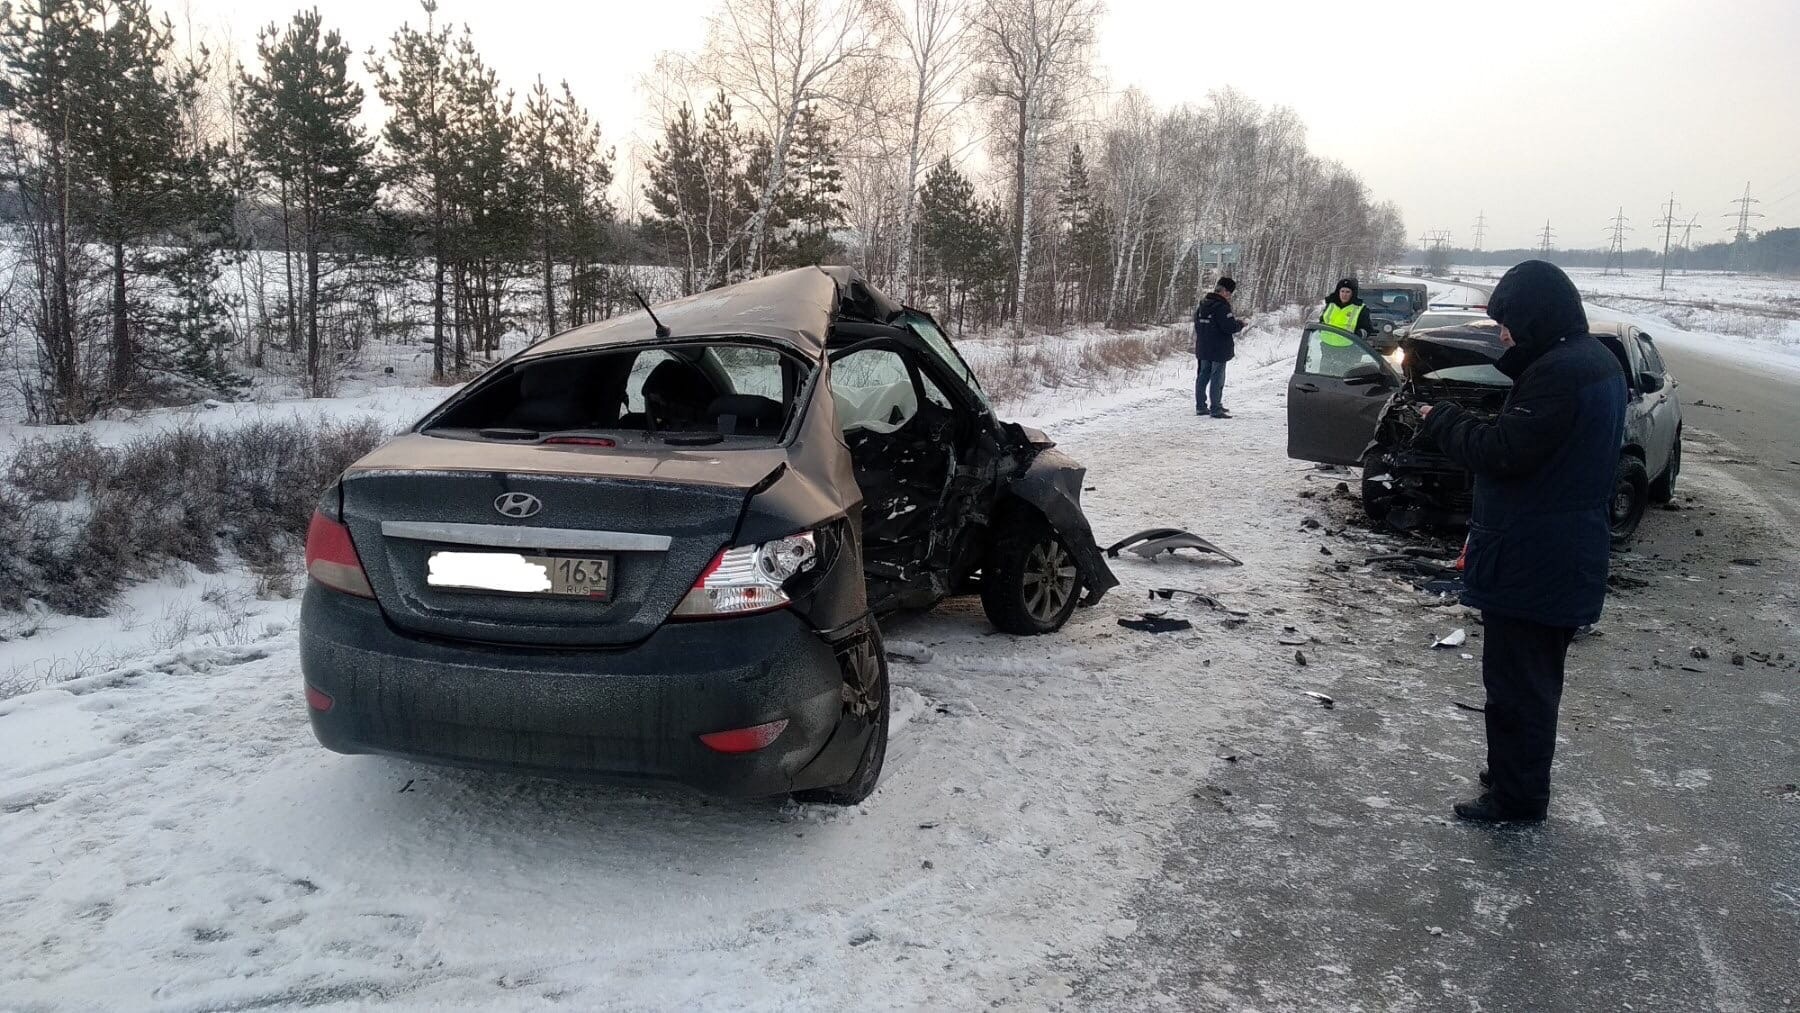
[659,515]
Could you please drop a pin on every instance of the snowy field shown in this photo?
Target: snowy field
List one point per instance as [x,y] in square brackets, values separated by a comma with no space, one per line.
[1752,318]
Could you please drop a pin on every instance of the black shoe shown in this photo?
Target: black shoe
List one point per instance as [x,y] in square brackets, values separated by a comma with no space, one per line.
[1200,411]
[1221,414]
[1487,810]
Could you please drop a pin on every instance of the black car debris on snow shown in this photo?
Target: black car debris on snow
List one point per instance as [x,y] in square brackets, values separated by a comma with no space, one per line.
[1363,410]
[657,546]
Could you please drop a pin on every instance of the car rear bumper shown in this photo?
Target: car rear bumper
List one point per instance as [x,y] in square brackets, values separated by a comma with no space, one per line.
[630,713]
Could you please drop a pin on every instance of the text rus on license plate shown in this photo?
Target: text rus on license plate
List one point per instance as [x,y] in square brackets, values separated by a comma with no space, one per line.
[512,573]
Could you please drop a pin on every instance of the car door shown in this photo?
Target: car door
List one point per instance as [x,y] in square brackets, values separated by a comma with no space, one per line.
[900,430]
[1336,396]
[1663,414]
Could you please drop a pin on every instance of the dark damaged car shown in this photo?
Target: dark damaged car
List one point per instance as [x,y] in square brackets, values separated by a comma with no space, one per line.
[1364,411]
[658,548]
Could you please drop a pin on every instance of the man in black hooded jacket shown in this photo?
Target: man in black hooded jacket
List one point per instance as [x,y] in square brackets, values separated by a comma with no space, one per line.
[1540,537]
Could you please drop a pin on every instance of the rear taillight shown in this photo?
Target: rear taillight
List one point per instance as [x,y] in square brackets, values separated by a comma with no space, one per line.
[331,558]
[749,578]
[744,740]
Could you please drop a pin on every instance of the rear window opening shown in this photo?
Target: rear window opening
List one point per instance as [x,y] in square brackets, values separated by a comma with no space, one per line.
[688,394]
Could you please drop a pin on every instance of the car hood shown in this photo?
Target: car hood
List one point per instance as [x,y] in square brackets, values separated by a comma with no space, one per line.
[1426,354]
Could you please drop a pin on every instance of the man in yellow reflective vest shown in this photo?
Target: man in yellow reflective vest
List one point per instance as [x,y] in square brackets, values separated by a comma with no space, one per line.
[1346,312]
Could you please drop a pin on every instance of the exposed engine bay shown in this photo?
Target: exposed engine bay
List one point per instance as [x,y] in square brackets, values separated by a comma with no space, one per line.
[1407,482]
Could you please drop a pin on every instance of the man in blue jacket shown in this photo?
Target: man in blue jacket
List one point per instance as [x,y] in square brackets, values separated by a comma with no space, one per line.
[1215,329]
[1539,539]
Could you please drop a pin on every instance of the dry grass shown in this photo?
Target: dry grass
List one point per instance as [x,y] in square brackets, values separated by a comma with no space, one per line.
[86,520]
[1090,363]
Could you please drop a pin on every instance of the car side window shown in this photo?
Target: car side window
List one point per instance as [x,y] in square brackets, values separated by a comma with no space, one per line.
[1653,360]
[1323,357]
[945,352]
[873,390]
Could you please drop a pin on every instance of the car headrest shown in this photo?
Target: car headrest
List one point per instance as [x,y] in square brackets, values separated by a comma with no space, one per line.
[677,391]
[754,413]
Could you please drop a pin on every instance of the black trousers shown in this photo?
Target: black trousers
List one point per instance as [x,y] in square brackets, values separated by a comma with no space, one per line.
[1522,668]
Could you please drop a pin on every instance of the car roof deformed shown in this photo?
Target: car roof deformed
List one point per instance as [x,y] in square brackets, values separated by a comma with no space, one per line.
[795,308]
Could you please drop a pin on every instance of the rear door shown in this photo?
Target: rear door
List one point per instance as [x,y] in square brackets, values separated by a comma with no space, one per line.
[1335,396]
[1663,415]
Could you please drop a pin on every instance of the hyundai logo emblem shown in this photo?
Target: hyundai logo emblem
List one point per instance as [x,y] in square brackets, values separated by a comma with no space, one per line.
[517,504]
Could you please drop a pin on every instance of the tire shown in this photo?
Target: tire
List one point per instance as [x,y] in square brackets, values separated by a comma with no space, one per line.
[1663,489]
[1377,499]
[862,781]
[1031,584]
[1631,495]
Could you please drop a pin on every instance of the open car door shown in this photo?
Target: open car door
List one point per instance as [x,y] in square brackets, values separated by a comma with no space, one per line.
[1336,396]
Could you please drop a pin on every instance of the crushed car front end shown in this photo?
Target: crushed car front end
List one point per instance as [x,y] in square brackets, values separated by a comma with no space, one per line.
[1407,483]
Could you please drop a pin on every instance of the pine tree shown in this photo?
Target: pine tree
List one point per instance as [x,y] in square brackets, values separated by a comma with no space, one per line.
[949,234]
[811,201]
[1087,248]
[304,135]
[128,139]
[585,170]
[488,199]
[413,81]
[677,193]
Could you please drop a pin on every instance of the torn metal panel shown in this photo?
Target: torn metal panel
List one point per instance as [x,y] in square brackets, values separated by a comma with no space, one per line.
[1152,542]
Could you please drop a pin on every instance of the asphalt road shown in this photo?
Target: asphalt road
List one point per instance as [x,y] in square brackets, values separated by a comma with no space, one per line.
[1754,411]
[1318,868]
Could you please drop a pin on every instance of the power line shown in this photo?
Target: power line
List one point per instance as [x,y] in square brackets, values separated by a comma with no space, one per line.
[1668,226]
[1615,254]
[1544,239]
[1687,237]
[1480,230]
[1740,243]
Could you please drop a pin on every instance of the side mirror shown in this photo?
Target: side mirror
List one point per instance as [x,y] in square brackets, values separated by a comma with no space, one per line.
[1650,383]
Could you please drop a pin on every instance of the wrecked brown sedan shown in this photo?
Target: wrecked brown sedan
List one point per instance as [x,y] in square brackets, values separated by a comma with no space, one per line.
[656,546]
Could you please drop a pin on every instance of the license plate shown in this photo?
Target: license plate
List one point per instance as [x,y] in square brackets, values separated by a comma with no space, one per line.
[513,573]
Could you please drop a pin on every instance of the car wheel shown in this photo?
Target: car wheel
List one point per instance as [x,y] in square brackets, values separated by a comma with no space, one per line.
[871,660]
[1663,489]
[1377,497]
[1631,494]
[1032,584]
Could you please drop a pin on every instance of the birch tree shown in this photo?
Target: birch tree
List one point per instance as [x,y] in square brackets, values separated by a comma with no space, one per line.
[1031,54]
[776,58]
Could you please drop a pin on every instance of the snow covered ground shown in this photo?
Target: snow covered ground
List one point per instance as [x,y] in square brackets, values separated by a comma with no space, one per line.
[174,837]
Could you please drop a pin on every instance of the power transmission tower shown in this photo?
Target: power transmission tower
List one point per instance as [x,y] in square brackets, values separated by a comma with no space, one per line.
[1668,226]
[1740,243]
[1687,240]
[1480,230]
[1544,238]
[1615,254]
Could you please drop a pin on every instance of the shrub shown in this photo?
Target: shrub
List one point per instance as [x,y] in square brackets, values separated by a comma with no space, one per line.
[88,519]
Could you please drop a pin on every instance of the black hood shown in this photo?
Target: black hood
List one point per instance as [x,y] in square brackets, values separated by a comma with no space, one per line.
[1538,303]
[1349,283]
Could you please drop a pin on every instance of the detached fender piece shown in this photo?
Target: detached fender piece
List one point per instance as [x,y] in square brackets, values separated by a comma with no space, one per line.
[1159,540]
[1052,484]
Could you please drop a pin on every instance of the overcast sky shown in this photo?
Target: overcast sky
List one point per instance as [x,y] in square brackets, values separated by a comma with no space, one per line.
[1523,109]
